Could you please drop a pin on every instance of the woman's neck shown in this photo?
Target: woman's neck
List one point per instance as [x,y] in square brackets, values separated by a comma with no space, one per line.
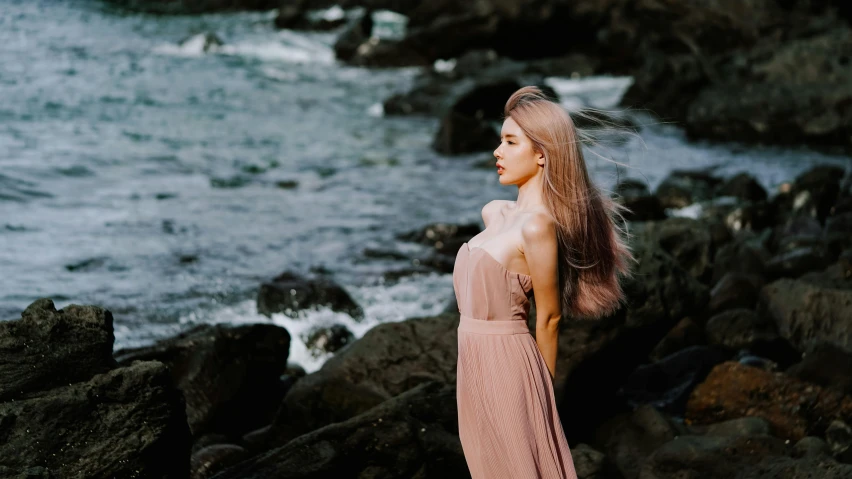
[529,194]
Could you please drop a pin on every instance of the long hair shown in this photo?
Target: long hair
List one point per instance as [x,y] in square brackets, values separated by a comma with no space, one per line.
[592,252]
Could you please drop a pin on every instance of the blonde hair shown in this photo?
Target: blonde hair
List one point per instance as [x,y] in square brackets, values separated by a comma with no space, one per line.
[593,254]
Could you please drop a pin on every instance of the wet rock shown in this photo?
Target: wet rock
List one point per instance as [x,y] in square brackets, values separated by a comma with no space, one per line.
[388,360]
[293,292]
[740,329]
[827,365]
[47,348]
[229,375]
[794,408]
[414,434]
[127,422]
[323,340]
[682,188]
[806,312]
[212,459]
[688,332]
[744,187]
[667,383]
[735,290]
[629,439]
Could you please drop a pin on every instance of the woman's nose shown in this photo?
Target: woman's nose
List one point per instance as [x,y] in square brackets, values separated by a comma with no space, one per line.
[497,153]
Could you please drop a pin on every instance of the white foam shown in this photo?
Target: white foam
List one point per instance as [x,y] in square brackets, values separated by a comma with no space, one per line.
[594,91]
[424,295]
[289,47]
[444,66]
[376,110]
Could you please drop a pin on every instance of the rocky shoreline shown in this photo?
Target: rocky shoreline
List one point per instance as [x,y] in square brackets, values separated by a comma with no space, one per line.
[731,358]
[756,71]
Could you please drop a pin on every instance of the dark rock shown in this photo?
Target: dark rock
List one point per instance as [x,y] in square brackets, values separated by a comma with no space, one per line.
[230,376]
[47,348]
[794,408]
[322,340]
[806,312]
[838,233]
[838,435]
[752,457]
[591,464]
[640,203]
[598,356]
[795,263]
[735,290]
[388,360]
[744,187]
[686,333]
[629,439]
[212,459]
[740,329]
[740,427]
[485,100]
[682,188]
[414,434]
[460,134]
[686,239]
[666,384]
[293,292]
[810,446]
[127,422]
[357,31]
[836,276]
[825,364]
[208,440]
[743,255]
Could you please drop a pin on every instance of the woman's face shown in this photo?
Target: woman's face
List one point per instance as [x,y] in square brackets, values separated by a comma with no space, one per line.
[517,161]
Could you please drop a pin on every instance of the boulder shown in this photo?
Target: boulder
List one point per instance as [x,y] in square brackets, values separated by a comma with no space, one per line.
[229,375]
[414,434]
[386,361]
[794,408]
[47,348]
[805,312]
[827,365]
[735,290]
[629,439]
[291,292]
[126,422]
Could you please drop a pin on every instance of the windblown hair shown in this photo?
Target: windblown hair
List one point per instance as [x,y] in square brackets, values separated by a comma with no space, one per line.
[593,255]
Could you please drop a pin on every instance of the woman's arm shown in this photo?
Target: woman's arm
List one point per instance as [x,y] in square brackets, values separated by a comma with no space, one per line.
[541,252]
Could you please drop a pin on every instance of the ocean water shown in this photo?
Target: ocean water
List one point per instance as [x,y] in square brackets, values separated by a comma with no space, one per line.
[165,182]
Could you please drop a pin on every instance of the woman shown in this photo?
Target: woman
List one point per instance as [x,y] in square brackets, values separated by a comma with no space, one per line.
[558,239]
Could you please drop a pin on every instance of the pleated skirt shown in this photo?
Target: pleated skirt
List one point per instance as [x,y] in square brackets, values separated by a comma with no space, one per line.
[508,423]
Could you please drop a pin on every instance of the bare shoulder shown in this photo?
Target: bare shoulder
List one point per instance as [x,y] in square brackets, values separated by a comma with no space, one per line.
[538,228]
[492,209]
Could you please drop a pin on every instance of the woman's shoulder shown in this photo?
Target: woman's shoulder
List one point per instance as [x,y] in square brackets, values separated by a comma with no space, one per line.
[494,208]
[538,224]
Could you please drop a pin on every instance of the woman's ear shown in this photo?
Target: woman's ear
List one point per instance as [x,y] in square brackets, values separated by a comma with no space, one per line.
[539,158]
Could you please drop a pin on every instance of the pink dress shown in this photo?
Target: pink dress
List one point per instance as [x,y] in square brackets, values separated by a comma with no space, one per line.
[508,423]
